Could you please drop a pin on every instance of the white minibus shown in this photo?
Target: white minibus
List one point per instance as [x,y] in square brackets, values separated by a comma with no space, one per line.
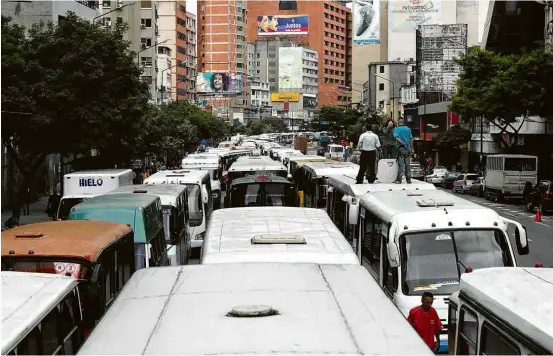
[417,241]
[342,187]
[200,200]
[255,166]
[206,162]
[315,180]
[335,151]
[41,314]
[275,234]
[174,204]
[253,309]
[502,311]
[81,185]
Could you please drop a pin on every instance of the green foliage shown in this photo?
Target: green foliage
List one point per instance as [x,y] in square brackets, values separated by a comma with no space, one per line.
[453,138]
[345,121]
[265,125]
[237,127]
[502,88]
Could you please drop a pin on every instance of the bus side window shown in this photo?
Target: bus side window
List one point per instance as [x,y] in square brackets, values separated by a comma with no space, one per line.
[49,332]
[107,266]
[452,325]
[493,342]
[30,345]
[390,274]
[372,240]
[468,333]
[70,324]
[128,256]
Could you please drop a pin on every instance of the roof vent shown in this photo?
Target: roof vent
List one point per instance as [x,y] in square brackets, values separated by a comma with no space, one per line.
[29,235]
[252,311]
[278,239]
[433,203]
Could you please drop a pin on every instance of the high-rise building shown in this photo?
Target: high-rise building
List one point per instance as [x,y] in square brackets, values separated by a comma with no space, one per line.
[177,32]
[27,13]
[319,25]
[223,49]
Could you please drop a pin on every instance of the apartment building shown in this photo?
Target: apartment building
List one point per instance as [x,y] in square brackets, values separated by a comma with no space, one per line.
[329,33]
[177,32]
[28,13]
[222,48]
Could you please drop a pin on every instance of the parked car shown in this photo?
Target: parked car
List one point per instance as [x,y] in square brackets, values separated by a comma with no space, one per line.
[464,182]
[477,188]
[417,171]
[545,189]
[436,176]
[449,179]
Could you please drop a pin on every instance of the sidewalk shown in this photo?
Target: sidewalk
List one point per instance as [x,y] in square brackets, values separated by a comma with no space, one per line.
[37,213]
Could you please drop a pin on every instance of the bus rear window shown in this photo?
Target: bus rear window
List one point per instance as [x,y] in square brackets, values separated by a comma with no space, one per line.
[74,270]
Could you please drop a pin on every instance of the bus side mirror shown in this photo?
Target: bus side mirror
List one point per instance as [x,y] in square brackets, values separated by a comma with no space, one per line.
[353,214]
[205,195]
[521,238]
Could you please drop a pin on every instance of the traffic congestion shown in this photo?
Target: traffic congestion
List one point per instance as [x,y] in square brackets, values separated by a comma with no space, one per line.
[276,244]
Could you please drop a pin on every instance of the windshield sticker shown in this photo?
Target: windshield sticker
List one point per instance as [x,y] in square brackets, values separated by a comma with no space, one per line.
[443,237]
[434,286]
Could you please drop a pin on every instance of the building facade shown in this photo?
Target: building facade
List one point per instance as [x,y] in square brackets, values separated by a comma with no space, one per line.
[385,80]
[28,13]
[328,33]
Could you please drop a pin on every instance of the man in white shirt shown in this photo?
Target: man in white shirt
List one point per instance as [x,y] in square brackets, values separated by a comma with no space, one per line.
[368,144]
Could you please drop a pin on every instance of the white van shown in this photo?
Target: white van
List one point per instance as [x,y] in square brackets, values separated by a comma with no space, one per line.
[503,311]
[253,309]
[200,200]
[174,204]
[315,180]
[81,185]
[417,241]
[206,162]
[275,234]
[507,174]
[335,151]
[41,314]
[342,187]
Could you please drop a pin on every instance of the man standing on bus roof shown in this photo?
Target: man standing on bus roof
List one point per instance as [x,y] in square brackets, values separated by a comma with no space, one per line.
[368,144]
[425,320]
[404,148]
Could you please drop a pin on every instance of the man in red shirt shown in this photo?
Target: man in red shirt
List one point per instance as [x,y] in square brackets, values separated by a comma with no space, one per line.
[425,320]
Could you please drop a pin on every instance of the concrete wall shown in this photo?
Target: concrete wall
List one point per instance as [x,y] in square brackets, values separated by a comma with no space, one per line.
[44,12]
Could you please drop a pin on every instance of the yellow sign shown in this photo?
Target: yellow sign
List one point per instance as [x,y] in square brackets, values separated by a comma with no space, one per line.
[280,97]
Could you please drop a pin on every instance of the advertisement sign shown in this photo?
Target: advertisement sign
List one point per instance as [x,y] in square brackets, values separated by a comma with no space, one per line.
[281,97]
[290,68]
[309,102]
[218,83]
[282,25]
[366,22]
[407,15]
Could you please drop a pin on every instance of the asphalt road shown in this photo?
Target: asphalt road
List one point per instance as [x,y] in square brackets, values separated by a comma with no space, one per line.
[540,234]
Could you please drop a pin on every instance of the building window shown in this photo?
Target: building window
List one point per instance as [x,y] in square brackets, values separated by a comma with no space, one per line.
[181,91]
[181,22]
[181,78]
[146,42]
[146,61]
[381,86]
[146,4]
[181,50]
[381,69]
[181,36]
[381,104]
[147,23]
[147,79]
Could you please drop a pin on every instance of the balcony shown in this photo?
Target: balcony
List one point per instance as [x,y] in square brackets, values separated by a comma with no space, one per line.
[89,4]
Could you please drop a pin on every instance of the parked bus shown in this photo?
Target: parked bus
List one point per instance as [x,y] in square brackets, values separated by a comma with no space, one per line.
[260,191]
[227,159]
[502,311]
[81,185]
[315,180]
[207,162]
[200,199]
[142,212]
[254,309]
[174,203]
[254,166]
[412,242]
[279,234]
[343,187]
[41,314]
[100,253]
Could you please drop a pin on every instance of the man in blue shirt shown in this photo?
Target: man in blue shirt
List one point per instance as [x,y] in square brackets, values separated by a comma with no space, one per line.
[404,149]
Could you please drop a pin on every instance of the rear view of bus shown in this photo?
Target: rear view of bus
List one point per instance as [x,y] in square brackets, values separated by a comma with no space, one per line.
[262,190]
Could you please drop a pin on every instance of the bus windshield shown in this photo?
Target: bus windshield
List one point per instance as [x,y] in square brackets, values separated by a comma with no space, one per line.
[66,205]
[195,205]
[263,194]
[434,260]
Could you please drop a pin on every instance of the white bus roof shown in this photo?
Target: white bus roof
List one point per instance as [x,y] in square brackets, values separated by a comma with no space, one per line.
[230,234]
[325,169]
[346,183]
[249,163]
[512,156]
[99,172]
[26,299]
[417,210]
[200,165]
[167,193]
[178,176]
[519,296]
[313,158]
[320,309]
[200,158]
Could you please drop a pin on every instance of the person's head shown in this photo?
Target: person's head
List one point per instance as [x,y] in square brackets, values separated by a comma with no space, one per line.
[365,128]
[218,82]
[400,122]
[374,128]
[426,300]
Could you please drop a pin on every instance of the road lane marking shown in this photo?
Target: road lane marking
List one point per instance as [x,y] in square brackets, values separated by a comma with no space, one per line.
[510,215]
[542,224]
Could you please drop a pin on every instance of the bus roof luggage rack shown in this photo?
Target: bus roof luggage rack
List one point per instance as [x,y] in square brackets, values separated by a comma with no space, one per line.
[434,203]
[278,239]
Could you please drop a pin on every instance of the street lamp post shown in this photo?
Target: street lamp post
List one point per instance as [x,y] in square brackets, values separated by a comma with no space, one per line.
[393,92]
[109,12]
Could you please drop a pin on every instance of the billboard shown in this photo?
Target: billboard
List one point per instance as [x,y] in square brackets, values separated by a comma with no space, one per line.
[280,97]
[407,15]
[366,22]
[282,25]
[290,66]
[309,102]
[218,83]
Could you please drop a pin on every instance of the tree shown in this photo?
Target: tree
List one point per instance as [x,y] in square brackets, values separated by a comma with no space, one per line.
[503,88]
[237,128]
[449,143]
[339,119]
[208,126]
[66,89]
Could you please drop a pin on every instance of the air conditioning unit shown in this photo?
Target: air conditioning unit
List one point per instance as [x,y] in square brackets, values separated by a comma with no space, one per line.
[142,26]
[106,4]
